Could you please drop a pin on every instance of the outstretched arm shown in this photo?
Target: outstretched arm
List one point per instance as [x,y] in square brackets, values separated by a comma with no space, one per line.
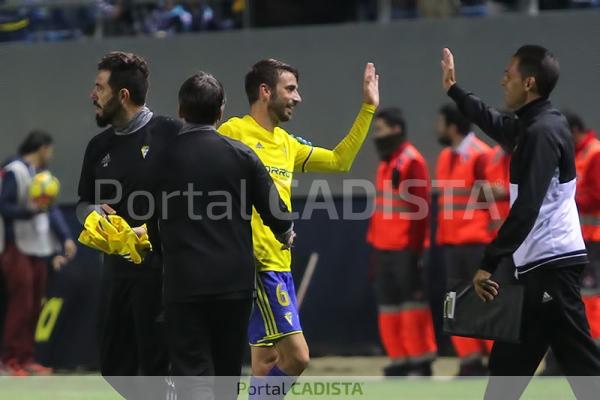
[318,159]
[499,126]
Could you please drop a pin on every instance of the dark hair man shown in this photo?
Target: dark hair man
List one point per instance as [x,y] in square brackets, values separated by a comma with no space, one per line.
[28,237]
[118,175]
[542,232]
[461,232]
[209,189]
[279,349]
[399,235]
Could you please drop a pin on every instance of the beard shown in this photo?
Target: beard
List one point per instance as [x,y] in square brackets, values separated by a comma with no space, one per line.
[110,111]
[278,107]
[387,146]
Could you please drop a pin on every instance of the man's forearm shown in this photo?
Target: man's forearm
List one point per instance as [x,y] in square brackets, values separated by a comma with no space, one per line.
[85,208]
[500,127]
[340,159]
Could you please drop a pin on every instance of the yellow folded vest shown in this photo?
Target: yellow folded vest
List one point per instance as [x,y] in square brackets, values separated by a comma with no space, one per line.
[113,235]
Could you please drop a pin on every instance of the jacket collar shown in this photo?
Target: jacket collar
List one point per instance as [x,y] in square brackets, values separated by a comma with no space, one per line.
[189,127]
[138,122]
[532,109]
[463,148]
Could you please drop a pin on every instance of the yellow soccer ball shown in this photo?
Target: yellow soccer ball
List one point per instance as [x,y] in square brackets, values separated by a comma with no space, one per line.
[44,189]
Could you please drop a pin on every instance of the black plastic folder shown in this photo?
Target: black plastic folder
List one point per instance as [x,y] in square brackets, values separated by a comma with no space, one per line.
[465,314]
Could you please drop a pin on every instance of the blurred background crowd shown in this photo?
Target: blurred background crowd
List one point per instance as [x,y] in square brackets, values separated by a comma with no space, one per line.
[57,20]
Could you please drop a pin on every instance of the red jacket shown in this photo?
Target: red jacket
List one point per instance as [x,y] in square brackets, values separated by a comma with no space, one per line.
[587,195]
[459,221]
[401,221]
[497,172]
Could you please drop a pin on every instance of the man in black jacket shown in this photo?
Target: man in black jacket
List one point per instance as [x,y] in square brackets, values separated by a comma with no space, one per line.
[120,164]
[542,231]
[207,192]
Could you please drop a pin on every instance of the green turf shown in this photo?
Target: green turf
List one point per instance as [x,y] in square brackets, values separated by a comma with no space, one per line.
[425,389]
[95,388]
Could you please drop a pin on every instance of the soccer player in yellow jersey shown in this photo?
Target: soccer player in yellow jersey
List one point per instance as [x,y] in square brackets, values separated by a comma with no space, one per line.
[278,345]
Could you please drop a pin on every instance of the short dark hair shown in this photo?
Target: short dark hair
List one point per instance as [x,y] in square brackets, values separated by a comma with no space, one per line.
[34,141]
[538,62]
[267,72]
[127,71]
[393,117]
[574,120]
[453,116]
[200,99]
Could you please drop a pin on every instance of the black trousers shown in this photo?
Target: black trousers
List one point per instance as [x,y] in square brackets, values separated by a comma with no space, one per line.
[553,316]
[131,335]
[207,337]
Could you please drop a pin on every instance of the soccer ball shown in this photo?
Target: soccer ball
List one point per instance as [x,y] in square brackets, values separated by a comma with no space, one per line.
[44,189]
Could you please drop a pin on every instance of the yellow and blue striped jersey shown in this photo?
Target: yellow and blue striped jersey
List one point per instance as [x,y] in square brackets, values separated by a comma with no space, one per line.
[283,155]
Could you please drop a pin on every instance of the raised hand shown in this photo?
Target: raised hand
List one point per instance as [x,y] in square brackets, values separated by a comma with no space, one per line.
[371,85]
[448,71]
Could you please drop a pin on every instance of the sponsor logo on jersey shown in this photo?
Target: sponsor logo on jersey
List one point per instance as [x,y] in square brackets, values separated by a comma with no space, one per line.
[279,171]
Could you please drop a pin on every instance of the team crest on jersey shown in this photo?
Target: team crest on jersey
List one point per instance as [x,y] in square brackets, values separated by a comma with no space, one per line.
[105,161]
[145,150]
[288,317]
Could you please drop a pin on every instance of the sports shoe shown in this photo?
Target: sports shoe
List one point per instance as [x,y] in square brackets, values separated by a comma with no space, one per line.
[395,370]
[13,368]
[34,368]
[420,369]
[473,368]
